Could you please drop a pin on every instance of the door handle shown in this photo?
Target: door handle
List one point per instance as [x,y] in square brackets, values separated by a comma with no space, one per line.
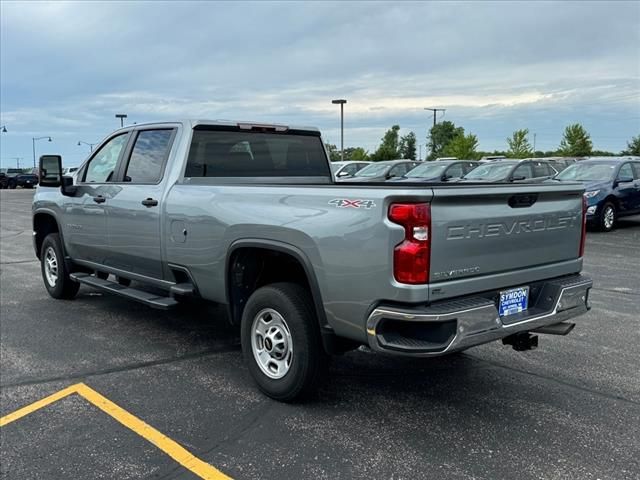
[99,199]
[150,202]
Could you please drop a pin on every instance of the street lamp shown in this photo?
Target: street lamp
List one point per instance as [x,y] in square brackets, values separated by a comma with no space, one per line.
[17,159]
[91,145]
[34,139]
[121,116]
[341,102]
[4,129]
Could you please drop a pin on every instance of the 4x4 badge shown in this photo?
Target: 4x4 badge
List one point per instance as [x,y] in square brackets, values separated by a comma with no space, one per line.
[347,203]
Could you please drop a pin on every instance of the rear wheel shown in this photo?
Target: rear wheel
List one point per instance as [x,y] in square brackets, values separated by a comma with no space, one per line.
[54,271]
[281,341]
[607,218]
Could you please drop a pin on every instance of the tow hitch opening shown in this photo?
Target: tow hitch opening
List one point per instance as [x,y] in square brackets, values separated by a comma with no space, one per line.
[521,341]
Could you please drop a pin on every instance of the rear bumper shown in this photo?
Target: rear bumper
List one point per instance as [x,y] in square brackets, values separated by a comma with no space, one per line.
[457,324]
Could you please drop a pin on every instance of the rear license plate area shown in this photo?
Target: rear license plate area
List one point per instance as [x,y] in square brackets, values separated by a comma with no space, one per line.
[512,301]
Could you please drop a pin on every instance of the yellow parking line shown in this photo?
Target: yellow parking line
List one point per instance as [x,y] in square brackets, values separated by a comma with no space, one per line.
[12,417]
[146,431]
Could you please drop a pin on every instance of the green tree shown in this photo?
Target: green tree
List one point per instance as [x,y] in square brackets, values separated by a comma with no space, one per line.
[334,154]
[519,146]
[462,146]
[576,142]
[356,153]
[408,146]
[439,137]
[633,147]
[388,149]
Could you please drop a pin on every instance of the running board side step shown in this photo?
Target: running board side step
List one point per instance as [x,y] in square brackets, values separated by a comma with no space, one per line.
[150,299]
[562,328]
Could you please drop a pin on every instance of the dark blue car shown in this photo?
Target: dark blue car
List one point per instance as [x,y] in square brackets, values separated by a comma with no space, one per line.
[612,188]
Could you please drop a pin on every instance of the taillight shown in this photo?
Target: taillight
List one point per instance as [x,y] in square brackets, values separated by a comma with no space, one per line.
[411,257]
[583,238]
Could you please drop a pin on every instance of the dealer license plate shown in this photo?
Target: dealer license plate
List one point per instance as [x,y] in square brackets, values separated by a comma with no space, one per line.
[513,301]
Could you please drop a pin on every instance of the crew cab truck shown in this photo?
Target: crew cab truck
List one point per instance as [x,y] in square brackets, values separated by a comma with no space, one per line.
[249,216]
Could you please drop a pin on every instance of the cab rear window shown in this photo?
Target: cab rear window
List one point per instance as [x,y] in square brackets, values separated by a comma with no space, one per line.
[216,153]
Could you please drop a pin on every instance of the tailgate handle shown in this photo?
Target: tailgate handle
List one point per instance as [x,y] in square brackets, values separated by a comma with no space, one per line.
[523,200]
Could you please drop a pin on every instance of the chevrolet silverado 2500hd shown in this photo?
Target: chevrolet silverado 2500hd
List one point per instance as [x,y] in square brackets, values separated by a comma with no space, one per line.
[249,215]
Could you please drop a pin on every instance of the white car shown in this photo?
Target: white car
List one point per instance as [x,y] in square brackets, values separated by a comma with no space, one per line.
[347,169]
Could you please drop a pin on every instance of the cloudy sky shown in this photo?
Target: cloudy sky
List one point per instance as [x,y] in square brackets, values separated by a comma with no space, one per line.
[67,68]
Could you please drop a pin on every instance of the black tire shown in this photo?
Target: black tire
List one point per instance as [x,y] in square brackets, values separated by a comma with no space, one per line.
[63,287]
[308,359]
[607,217]
[12,186]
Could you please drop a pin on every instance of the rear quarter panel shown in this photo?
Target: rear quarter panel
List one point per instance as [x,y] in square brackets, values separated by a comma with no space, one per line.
[350,249]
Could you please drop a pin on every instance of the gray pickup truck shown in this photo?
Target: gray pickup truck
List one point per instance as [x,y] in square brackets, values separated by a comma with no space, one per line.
[249,216]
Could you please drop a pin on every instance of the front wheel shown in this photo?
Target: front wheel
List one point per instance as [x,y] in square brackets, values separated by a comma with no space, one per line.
[54,271]
[607,218]
[281,341]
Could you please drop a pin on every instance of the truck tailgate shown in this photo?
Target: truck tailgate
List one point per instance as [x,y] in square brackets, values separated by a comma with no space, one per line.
[505,229]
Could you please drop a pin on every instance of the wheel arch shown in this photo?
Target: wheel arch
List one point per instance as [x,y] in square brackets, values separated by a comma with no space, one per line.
[44,223]
[243,252]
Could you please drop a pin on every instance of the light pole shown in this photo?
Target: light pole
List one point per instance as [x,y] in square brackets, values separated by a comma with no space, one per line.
[17,159]
[341,102]
[121,116]
[91,145]
[34,139]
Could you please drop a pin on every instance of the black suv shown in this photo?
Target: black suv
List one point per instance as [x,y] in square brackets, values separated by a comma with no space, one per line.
[16,178]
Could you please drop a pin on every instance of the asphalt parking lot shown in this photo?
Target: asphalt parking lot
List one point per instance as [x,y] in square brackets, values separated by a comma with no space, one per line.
[568,410]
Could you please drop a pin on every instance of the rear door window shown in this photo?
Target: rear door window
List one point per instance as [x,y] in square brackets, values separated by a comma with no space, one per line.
[216,153]
[148,156]
[636,168]
[541,169]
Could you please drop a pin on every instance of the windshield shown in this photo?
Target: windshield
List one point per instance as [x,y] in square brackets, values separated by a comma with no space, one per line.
[374,170]
[429,170]
[490,171]
[584,172]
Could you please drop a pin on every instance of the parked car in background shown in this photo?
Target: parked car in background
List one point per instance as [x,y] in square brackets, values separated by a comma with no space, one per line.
[612,188]
[511,171]
[441,171]
[16,178]
[4,180]
[347,169]
[382,171]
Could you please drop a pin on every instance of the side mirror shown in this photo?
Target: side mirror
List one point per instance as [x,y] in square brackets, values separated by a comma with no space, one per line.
[50,171]
[67,187]
[343,174]
[518,178]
